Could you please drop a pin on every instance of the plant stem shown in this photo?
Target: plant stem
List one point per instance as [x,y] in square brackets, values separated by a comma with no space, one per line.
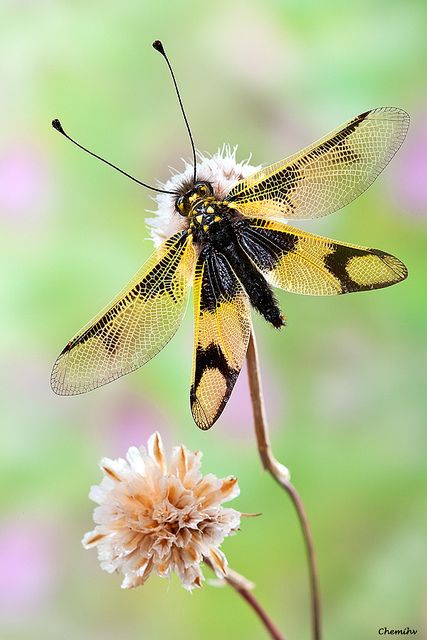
[243,587]
[281,474]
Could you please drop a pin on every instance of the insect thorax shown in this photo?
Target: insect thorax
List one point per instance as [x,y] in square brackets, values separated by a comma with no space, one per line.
[202,210]
[205,213]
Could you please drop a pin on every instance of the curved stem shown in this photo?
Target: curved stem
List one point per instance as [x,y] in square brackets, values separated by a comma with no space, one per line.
[281,474]
[243,587]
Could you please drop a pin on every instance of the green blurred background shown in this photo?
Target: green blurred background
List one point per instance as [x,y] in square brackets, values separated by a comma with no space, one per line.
[344,382]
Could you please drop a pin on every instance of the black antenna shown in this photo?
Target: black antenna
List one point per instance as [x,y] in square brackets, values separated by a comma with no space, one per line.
[58,126]
[159,47]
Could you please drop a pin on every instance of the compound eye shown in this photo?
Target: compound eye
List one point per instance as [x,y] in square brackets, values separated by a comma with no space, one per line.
[180,206]
[203,188]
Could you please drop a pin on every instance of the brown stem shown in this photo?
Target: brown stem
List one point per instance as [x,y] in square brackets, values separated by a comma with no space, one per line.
[243,587]
[281,474]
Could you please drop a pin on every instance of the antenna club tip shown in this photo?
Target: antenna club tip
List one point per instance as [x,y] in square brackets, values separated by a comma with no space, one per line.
[158,46]
[56,124]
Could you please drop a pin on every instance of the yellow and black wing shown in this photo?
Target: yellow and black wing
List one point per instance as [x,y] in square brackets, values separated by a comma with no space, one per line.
[304,263]
[135,326]
[222,330]
[328,174]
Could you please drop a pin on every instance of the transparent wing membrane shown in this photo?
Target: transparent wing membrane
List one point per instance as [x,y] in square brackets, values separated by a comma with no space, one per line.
[307,264]
[328,174]
[222,329]
[134,327]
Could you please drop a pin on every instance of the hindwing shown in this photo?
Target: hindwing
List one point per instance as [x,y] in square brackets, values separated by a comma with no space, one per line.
[222,330]
[304,263]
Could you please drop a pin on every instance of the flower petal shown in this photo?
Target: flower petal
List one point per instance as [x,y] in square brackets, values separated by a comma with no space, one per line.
[156,451]
[230,488]
[218,561]
[91,538]
[114,469]
[135,458]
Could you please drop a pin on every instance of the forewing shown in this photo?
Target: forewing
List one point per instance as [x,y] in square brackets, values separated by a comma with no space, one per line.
[134,326]
[222,330]
[328,174]
[303,263]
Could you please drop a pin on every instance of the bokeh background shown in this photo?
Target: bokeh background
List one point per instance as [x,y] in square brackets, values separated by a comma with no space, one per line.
[344,382]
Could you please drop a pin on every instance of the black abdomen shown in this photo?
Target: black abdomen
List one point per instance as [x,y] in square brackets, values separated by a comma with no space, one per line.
[259,292]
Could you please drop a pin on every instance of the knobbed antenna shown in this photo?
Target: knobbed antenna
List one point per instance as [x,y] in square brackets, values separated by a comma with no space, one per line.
[58,126]
[160,48]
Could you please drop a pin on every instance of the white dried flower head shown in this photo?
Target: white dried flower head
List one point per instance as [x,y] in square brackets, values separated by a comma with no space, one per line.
[222,170]
[161,516]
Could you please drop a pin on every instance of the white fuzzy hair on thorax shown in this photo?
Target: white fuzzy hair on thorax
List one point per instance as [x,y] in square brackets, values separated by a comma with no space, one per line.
[221,169]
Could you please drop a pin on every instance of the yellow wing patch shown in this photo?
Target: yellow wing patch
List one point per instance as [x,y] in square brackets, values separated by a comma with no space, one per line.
[304,263]
[135,326]
[222,329]
[329,173]
[363,270]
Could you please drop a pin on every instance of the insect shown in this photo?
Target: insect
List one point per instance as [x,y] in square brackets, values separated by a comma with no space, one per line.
[234,250]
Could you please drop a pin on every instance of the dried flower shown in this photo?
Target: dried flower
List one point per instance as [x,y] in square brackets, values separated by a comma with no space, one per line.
[221,170]
[155,516]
